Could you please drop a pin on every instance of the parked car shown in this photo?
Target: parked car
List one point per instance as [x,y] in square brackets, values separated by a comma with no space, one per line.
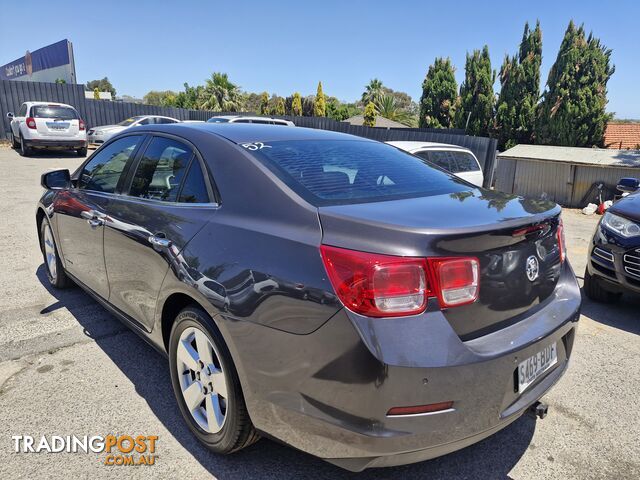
[457,160]
[99,135]
[248,119]
[355,295]
[613,264]
[47,125]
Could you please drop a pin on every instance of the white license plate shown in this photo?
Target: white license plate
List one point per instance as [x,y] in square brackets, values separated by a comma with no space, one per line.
[534,366]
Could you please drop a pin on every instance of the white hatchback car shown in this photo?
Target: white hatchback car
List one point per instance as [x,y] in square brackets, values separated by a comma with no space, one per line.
[47,125]
[458,160]
[99,135]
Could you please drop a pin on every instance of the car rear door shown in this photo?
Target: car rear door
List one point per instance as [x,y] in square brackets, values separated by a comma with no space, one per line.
[169,199]
[56,120]
[80,212]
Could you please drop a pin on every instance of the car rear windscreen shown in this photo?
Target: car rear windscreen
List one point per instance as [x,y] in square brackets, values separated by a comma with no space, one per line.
[333,172]
[53,111]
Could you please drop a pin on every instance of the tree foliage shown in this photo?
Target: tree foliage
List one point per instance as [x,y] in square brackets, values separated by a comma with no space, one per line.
[388,107]
[520,91]
[220,94]
[166,98]
[264,103]
[103,85]
[296,105]
[320,106]
[439,95]
[96,94]
[190,97]
[370,114]
[573,108]
[279,108]
[476,95]
[372,91]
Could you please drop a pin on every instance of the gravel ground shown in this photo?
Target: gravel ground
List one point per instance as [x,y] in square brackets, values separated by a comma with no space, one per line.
[68,367]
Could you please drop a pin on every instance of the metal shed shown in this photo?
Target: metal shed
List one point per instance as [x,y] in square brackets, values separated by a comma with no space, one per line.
[563,174]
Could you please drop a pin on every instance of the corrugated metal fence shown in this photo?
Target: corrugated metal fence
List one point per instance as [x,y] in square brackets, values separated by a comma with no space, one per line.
[102,112]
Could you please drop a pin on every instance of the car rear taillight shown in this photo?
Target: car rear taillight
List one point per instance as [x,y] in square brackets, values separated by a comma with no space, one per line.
[456,280]
[388,286]
[562,246]
[31,123]
[81,124]
[377,285]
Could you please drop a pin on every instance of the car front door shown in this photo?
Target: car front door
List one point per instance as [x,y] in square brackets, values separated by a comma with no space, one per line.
[80,211]
[169,199]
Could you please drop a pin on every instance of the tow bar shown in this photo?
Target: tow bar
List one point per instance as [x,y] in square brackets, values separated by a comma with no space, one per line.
[539,410]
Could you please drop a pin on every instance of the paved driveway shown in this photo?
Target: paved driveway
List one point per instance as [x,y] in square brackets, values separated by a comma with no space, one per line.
[67,367]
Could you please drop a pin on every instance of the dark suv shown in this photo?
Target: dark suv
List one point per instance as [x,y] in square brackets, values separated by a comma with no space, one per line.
[332,292]
[613,265]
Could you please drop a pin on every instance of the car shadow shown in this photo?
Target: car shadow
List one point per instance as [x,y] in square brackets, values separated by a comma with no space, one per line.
[621,314]
[49,153]
[492,458]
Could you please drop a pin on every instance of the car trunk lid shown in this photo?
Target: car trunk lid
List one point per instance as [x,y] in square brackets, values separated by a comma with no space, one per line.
[515,240]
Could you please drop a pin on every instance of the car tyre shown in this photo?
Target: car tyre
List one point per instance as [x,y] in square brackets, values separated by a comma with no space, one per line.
[52,263]
[25,150]
[14,143]
[595,292]
[220,422]
[82,152]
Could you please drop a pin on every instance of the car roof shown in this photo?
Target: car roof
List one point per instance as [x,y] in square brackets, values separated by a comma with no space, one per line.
[247,117]
[33,104]
[413,145]
[250,132]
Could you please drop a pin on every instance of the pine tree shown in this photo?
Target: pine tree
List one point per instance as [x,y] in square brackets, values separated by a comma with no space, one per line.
[296,105]
[320,105]
[439,93]
[476,95]
[264,103]
[279,110]
[573,108]
[370,114]
[520,90]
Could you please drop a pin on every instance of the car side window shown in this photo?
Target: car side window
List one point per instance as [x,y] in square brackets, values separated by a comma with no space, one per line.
[103,171]
[194,189]
[164,120]
[458,161]
[23,110]
[159,174]
[145,121]
[442,162]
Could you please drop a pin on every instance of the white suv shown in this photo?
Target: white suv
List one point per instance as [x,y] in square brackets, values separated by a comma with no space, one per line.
[458,160]
[47,125]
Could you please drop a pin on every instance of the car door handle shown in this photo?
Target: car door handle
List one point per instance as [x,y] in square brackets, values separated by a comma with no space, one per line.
[160,242]
[93,218]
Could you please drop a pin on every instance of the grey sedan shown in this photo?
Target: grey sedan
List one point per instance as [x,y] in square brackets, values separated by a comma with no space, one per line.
[332,292]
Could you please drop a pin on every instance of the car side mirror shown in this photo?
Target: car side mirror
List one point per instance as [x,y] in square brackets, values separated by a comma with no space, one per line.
[10,115]
[628,185]
[56,180]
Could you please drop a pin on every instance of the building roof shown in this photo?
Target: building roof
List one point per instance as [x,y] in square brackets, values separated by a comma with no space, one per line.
[622,135]
[592,156]
[380,122]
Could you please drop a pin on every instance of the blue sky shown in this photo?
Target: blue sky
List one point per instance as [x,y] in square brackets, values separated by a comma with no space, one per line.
[282,47]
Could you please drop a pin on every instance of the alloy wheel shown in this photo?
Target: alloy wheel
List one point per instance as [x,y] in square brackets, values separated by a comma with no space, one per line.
[50,253]
[202,379]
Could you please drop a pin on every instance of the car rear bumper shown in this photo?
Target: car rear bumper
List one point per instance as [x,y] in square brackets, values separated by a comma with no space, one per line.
[50,143]
[328,393]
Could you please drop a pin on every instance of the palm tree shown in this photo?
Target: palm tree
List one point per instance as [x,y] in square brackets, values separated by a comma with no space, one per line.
[387,107]
[221,94]
[372,91]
